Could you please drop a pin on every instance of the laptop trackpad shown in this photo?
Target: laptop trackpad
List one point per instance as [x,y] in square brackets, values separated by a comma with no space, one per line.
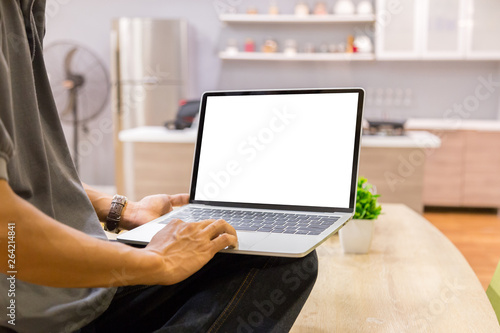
[246,240]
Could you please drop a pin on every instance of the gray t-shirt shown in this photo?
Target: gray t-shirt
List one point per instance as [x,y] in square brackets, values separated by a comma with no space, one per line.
[35,160]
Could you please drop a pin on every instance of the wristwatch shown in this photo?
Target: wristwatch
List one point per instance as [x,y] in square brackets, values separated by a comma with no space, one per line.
[115,213]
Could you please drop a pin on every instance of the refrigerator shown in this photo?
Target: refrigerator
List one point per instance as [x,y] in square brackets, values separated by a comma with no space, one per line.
[149,70]
[149,73]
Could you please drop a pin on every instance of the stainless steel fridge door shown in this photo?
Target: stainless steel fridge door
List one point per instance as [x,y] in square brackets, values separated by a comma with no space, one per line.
[148,104]
[152,51]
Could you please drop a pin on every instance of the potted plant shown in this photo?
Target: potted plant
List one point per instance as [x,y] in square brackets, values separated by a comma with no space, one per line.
[356,235]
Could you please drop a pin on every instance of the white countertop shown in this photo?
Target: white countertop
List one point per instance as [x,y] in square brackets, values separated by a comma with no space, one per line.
[453,124]
[413,139]
[157,134]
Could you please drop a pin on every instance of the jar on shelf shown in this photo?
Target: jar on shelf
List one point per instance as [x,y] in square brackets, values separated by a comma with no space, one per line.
[252,10]
[350,48]
[344,7]
[301,9]
[365,7]
[320,8]
[363,44]
[249,45]
[232,46]
[273,8]
[270,46]
[290,47]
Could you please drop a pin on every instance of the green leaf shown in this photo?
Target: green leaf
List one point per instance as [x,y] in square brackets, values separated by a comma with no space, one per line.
[367,206]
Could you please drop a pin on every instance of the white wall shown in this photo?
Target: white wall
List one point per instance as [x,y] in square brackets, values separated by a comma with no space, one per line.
[434,86]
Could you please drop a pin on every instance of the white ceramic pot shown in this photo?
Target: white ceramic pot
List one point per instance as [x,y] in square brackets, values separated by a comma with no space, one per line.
[301,9]
[356,236]
[344,7]
[363,44]
[365,8]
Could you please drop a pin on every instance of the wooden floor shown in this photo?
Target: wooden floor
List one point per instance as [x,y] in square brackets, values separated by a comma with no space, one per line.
[476,235]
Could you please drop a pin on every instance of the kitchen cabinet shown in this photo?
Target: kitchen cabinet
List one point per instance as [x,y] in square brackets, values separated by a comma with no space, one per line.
[437,30]
[484,27]
[156,160]
[395,165]
[157,167]
[382,166]
[443,173]
[398,29]
[463,172]
[481,181]
[444,29]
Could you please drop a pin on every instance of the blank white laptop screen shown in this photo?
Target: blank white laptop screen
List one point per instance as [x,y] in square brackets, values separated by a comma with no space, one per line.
[291,149]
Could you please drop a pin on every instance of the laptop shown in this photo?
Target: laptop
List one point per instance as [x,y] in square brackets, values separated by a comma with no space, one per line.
[279,165]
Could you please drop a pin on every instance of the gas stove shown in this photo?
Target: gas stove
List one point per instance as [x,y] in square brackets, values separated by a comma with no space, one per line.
[385,128]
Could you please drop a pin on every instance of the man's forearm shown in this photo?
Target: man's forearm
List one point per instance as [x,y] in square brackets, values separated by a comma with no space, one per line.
[53,254]
[100,201]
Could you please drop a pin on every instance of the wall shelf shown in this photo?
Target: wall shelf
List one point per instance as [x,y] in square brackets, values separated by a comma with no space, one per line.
[297,57]
[262,18]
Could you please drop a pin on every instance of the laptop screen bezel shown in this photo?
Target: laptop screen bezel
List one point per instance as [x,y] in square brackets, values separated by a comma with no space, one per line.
[355,162]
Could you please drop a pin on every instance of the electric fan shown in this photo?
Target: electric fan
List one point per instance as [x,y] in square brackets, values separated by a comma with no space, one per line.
[80,85]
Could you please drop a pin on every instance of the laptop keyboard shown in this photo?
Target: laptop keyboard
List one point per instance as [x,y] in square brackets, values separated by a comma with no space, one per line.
[284,223]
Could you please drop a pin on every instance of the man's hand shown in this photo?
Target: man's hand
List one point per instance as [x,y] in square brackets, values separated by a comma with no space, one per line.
[136,213]
[149,208]
[187,247]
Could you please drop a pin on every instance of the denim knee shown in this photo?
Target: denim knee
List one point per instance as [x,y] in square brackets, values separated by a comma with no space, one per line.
[300,274]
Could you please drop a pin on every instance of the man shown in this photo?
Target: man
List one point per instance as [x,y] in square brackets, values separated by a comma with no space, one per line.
[59,274]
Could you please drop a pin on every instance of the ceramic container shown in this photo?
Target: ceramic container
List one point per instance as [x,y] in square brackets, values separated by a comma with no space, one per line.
[301,9]
[356,236]
[344,7]
[365,8]
[363,44]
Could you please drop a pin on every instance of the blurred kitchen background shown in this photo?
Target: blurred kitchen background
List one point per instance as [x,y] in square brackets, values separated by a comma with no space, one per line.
[407,85]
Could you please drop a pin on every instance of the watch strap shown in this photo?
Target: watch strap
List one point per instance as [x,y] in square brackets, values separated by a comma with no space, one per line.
[115,213]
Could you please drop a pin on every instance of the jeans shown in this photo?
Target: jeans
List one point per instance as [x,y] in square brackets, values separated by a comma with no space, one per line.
[232,293]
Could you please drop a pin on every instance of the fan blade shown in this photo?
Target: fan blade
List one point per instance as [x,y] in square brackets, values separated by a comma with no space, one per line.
[68,60]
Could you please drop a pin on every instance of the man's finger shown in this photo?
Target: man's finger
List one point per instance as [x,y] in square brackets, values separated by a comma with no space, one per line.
[219,227]
[224,241]
[204,223]
[179,199]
